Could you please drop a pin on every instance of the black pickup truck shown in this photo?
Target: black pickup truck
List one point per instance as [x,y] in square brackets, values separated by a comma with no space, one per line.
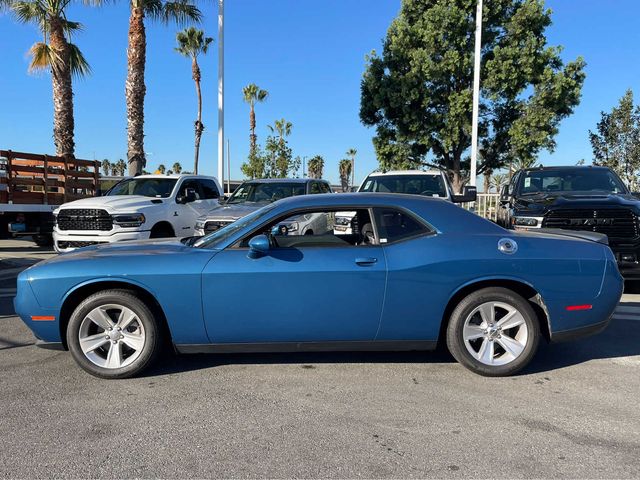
[592,199]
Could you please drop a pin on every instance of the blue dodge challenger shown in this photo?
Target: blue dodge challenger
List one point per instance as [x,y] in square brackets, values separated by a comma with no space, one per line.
[410,273]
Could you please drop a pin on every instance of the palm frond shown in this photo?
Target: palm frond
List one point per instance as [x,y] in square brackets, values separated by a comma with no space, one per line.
[181,12]
[78,64]
[70,27]
[153,9]
[28,11]
[42,57]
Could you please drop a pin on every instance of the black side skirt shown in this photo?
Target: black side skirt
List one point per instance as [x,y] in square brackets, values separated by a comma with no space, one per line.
[381,346]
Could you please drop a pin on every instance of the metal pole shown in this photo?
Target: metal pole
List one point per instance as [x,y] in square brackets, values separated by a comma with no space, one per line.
[476,95]
[304,167]
[221,90]
[353,172]
[228,168]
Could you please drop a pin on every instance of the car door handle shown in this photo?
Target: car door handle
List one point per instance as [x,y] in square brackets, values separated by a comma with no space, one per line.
[366,261]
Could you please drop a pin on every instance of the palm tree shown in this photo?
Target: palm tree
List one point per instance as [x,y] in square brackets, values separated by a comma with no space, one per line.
[106,166]
[351,153]
[56,54]
[497,180]
[344,167]
[178,11]
[253,94]
[177,168]
[520,163]
[282,127]
[316,167]
[161,169]
[122,167]
[191,43]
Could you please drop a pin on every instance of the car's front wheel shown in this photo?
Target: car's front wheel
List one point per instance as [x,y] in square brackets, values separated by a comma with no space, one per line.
[113,334]
[493,332]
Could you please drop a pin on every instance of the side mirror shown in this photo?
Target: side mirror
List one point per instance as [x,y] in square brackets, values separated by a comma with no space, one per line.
[259,246]
[469,194]
[188,197]
[504,195]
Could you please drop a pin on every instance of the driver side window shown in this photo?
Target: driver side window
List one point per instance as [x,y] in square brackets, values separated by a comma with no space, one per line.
[320,228]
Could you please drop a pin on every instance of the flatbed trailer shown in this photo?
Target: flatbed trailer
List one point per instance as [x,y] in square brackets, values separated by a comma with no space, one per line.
[32,186]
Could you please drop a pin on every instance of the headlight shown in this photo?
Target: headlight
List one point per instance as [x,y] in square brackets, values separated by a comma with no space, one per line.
[129,220]
[292,227]
[530,222]
[200,224]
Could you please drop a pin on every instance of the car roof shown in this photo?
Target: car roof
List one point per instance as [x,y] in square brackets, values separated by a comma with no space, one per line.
[174,176]
[566,167]
[284,180]
[406,172]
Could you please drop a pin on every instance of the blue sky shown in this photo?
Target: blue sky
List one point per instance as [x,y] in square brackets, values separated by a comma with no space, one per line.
[310,57]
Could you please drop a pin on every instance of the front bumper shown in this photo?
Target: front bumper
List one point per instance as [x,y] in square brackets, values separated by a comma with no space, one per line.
[64,242]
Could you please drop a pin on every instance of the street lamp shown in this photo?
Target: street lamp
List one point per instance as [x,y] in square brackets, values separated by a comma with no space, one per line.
[476,95]
[221,91]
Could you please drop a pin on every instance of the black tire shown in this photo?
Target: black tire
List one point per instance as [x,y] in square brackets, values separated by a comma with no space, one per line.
[162,230]
[455,332]
[44,240]
[152,331]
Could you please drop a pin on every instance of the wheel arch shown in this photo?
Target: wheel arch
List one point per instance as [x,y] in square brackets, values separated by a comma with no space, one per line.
[522,288]
[73,298]
[163,224]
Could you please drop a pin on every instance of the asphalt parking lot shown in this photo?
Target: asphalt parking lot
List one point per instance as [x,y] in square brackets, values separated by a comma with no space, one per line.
[572,414]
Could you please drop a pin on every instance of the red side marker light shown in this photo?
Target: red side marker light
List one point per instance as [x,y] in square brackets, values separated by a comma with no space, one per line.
[573,308]
[46,318]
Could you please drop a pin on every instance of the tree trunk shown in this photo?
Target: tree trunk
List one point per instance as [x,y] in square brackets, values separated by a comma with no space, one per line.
[487,180]
[63,123]
[135,91]
[198,124]
[252,126]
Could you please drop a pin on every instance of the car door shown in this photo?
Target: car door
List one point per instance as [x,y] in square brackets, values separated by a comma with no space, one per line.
[185,214]
[308,288]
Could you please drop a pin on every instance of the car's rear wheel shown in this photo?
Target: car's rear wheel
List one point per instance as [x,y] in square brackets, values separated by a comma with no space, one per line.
[113,334]
[493,332]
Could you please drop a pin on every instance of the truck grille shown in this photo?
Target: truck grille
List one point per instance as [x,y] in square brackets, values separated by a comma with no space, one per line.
[84,219]
[615,223]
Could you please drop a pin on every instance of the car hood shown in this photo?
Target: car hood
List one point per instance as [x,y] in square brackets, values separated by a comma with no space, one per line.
[233,211]
[114,202]
[154,247]
[541,204]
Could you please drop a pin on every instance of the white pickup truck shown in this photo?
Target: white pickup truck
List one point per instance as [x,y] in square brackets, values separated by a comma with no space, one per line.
[147,206]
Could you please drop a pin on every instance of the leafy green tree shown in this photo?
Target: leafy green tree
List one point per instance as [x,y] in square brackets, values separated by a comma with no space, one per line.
[344,169]
[316,167]
[178,11]
[253,94]
[254,167]
[616,141]
[418,92]
[496,181]
[279,156]
[516,164]
[56,54]
[177,168]
[161,169]
[192,43]
[106,166]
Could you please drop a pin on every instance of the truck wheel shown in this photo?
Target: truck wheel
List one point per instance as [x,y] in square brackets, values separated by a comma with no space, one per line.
[43,240]
[162,230]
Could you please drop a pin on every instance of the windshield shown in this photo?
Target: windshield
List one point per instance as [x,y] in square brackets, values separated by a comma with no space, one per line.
[430,185]
[570,180]
[148,187]
[265,192]
[209,241]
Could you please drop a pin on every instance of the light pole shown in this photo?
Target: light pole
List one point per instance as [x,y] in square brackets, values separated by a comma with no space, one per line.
[476,95]
[221,91]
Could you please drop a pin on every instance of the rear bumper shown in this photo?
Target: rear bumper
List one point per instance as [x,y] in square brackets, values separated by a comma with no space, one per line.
[573,334]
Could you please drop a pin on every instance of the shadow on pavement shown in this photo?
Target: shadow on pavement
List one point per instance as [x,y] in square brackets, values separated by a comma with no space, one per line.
[620,339]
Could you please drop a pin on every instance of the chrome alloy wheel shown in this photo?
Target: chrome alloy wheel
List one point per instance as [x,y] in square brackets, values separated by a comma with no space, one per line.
[111,336]
[495,333]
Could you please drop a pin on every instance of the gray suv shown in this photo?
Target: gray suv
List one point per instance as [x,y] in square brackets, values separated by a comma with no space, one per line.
[254,194]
